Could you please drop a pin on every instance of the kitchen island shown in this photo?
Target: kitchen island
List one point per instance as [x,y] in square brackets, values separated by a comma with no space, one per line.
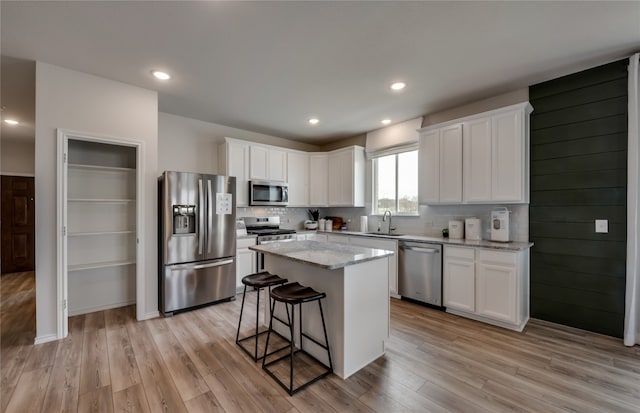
[355,280]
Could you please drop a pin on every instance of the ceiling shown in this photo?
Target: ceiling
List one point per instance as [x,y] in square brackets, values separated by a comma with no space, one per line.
[268,67]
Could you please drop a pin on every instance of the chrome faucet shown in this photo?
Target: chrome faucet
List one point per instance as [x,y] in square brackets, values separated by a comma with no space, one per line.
[384,219]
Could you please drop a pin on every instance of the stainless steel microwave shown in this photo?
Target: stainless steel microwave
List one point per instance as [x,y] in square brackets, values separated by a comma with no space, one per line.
[268,193]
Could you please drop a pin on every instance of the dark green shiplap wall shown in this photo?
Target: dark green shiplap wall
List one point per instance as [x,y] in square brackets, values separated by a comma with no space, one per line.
[578,175]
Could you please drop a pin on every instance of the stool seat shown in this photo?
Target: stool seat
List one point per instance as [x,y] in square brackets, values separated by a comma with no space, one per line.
[295,293]
[262,279]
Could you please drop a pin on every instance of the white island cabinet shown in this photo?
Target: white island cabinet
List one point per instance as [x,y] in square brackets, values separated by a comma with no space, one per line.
[355,280]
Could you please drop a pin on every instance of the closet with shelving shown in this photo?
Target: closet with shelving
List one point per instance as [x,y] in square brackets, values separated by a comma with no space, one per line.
[101,195]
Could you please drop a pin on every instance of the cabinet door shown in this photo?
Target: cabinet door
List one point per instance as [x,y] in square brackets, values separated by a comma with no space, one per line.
[238,166]
[451,164]
[341,179]
[477,160]
[496,292]
[259,161]
[459,284]
[277,165]
[508,157]
[298,179]
[245,264]
[429,167]
[318,179]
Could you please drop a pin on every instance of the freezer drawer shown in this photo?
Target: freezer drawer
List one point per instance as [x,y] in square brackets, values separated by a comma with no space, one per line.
[420,272]
[193,284]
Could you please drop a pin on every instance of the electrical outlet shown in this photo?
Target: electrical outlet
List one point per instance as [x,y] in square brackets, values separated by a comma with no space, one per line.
[602,225]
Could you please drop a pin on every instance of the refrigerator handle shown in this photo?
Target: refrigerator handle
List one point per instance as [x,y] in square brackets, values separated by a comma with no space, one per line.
[200,218]
[200,266]
[210,202]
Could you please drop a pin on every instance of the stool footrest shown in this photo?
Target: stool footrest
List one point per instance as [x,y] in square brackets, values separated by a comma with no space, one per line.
[286,347]
[292,391]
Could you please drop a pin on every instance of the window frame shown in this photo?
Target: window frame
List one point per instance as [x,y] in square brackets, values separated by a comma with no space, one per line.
[374,189]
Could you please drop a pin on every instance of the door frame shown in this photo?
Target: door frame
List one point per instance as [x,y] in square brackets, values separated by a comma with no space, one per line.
[63,137]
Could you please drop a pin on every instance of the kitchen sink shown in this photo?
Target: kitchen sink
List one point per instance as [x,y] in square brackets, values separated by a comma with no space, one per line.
[386,235]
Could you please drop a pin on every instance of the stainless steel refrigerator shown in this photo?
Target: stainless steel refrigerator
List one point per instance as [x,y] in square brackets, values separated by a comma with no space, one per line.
[197,240]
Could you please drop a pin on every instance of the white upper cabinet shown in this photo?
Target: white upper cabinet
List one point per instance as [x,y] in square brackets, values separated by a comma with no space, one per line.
[451,164]
[298,178]
[318,179]
[440,165]
[478,159]
[346,177]
[429,167]
[267,163]
[510,169]
[234,161]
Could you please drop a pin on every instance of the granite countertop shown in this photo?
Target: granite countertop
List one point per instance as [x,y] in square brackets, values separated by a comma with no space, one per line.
[513,246]
[322,254]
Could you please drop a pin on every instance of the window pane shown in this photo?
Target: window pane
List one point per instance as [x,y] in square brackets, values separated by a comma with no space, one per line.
[386,179]
[408,182]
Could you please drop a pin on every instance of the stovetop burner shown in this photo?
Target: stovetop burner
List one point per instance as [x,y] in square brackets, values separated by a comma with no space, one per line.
[265,226]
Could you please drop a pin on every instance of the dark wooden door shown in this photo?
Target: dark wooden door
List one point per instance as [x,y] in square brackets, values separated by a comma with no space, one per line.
[18,224]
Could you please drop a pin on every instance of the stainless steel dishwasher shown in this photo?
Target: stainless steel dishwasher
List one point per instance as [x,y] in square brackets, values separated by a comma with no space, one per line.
[420,272]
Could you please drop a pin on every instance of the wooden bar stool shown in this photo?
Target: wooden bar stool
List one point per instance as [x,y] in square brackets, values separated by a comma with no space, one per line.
[294,294]
[258,281]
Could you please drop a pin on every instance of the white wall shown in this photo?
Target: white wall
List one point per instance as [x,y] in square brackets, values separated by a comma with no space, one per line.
[190,145]
[17,157]
[92,105]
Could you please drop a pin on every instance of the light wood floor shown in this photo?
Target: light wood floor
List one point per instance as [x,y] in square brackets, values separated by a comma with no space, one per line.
[434,362]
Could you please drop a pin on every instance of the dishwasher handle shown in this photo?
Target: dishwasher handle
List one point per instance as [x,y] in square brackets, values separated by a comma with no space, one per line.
[421,250]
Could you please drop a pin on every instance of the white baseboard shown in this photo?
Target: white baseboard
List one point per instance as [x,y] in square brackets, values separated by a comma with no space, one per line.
[150,315]
[78,311]
[503,324]
[45,339]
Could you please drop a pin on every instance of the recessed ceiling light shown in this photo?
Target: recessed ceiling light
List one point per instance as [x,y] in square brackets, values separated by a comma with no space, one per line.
[161,75]
[385,121]
[314,121]
[398,85]
[11,121]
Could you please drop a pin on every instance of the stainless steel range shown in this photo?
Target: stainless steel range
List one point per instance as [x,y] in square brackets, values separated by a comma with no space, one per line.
[268,231]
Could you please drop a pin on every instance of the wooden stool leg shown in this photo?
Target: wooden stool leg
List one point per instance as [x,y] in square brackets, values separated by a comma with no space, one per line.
[244,293]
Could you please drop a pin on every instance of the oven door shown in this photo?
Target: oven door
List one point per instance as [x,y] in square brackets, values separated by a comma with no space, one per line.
[260,256]
[268,193]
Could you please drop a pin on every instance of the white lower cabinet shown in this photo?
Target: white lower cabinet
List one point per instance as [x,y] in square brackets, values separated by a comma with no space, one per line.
[246,260]
[487,285]
[459,278]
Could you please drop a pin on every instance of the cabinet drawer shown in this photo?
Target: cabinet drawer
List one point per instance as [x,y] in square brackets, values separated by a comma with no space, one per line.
[497,257]
[460,253]
[245,242]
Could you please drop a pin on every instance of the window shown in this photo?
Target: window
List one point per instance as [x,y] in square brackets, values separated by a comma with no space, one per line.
[396,183]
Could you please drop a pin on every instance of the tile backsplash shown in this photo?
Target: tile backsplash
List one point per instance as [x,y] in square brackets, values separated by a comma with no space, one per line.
[430,222]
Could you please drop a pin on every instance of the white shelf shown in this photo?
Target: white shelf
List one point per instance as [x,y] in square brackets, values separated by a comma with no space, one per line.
[102,200]
[106,264]
[100,168]
[84,234]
